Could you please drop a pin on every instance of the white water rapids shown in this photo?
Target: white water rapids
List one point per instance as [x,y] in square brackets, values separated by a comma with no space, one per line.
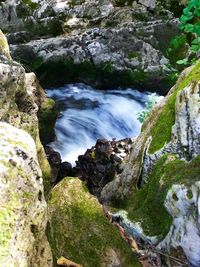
[88,114]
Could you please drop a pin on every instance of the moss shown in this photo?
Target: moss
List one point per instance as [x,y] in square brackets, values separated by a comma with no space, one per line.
[4,48]
[147,204]
[161,132]
[47,116]
[30,4]
[6,226]
[42,28]
[57,73]
[134,55]
[122,3]
[45,167]
[78,229]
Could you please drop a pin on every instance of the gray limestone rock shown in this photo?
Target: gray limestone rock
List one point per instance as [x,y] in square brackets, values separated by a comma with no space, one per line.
[22,203]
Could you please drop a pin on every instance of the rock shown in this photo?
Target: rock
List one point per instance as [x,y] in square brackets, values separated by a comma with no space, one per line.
[23,215]
[4,48]
[157,131]
[59,169]
[95,42]
[79,231]
[101,163]
[20,99]
[184,231]
[161,177]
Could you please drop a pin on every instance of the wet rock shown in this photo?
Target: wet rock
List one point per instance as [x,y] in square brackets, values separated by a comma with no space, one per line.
[99,165]
[59,169]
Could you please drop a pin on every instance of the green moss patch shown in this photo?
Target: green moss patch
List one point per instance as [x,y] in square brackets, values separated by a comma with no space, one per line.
[47,116]
[161,132]
[147,204]
[30,4]
[78,229]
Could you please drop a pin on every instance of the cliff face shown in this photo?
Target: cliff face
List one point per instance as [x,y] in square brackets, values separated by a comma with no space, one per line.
[159,184]
[23,209]
[102,43]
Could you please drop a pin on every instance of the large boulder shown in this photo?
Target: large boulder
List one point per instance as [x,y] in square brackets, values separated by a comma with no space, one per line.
[23,209]
[21,97]
[79,231]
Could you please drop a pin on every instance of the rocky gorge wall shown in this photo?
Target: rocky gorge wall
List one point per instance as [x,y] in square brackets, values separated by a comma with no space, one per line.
[102,43]
[30,211]
[23,208]
[154,197]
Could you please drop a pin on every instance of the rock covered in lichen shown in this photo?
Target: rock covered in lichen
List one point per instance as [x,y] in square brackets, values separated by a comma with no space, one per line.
[23,208]
[164,165]
[158,137]
[79,231]
[183,203]
[20,99]
[22,203]
[4,48]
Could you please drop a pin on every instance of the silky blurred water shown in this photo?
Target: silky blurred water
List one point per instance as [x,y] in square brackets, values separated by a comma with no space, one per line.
[88,114]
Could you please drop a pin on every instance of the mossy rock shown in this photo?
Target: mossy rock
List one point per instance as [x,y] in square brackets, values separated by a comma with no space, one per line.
[161,131]
[4,48]
[47,116]
[79,230]
[147,204]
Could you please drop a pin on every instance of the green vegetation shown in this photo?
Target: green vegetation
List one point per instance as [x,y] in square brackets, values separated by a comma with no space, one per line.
[79,230]
[161,132]
[190,24]
[142,116]
[47,116]
[30,4]
[147,204]
[177,49]
[45,167]
[122,3]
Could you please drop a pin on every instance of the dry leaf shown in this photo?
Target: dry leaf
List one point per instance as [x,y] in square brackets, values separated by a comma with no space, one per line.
[67,263]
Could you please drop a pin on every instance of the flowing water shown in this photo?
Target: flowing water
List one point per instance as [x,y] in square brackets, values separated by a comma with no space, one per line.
[88,114]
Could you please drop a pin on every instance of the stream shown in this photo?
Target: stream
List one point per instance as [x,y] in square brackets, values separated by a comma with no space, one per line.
[88,114]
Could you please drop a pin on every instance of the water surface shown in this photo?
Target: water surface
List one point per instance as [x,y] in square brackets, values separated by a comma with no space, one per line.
[88,114]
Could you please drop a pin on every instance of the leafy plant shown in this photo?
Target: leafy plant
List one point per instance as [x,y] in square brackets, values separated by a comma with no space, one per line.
[152,100]
[190,24]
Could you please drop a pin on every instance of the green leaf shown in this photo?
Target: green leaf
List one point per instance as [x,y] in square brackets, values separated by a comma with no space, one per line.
[182,61]
[195,48]
[181,26]
[196,28]
[196,41]
[185,19]
[197,12]
[189,27]
[187,11]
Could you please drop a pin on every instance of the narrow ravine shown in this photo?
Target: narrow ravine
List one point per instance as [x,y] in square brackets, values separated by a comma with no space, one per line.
[88,114]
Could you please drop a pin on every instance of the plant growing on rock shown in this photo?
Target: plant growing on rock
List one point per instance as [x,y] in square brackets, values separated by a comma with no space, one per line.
[190,24]
[152,99]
